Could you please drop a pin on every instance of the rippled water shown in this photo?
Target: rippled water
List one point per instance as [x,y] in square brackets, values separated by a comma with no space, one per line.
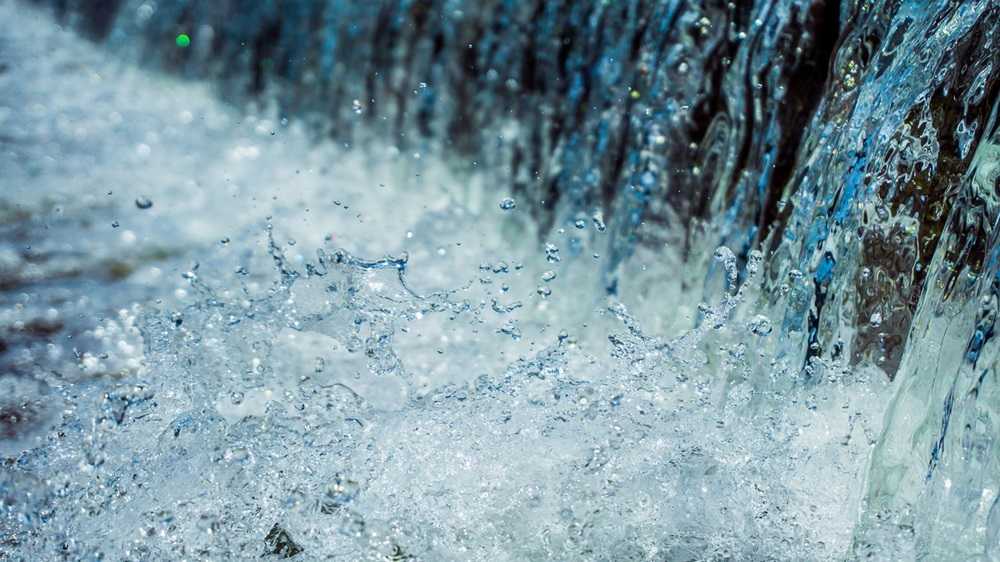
[551,280]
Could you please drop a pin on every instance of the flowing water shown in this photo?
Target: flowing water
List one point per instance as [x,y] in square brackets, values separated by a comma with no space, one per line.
[544,280]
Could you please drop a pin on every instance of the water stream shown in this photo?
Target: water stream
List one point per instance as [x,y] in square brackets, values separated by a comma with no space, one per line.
[501,280]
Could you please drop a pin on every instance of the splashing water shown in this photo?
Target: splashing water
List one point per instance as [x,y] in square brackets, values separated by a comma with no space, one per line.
[639,281]
[311,403]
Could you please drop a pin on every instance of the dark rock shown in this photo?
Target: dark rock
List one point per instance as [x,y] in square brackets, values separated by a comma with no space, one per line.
[280,542]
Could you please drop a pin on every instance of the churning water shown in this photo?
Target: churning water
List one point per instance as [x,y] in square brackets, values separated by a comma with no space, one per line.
[619,280]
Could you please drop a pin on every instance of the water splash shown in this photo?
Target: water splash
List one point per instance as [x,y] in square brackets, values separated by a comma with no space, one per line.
[835,135]
[235,441]
[853,143]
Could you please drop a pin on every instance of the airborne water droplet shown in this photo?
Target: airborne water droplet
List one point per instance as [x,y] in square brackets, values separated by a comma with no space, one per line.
[760,325]
[551,253]
[143,202]
[507,203]
[510,329]
[599,222]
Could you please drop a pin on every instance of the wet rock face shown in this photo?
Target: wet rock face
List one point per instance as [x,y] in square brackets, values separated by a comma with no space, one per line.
[840,136]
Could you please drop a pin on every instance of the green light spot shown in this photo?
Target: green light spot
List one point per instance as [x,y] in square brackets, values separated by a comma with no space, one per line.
[183,40]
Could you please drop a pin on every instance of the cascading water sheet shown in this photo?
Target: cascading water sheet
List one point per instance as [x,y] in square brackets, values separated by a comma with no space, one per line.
[545,280]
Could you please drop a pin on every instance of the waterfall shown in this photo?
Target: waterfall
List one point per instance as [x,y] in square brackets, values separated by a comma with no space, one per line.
[844,155]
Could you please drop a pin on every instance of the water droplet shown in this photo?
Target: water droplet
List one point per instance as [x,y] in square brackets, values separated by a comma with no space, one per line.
[143,202]
[551,253]
[760,325]
[510,329]
[598,219]
[507,203]
[727,258]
